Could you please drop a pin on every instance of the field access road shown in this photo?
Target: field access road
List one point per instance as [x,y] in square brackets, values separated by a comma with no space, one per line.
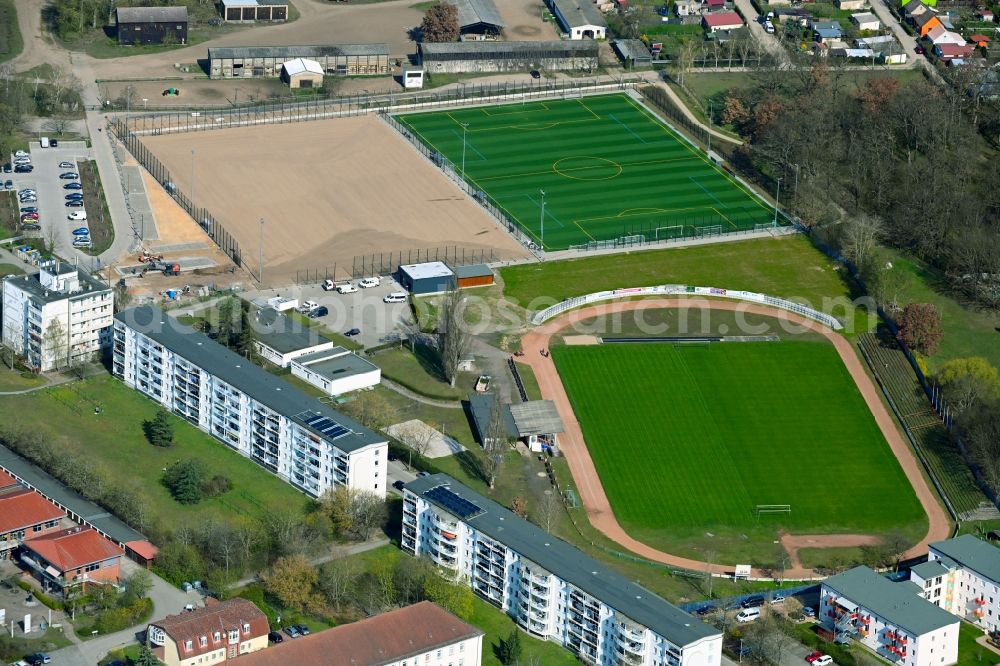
[588,483]
[763,37]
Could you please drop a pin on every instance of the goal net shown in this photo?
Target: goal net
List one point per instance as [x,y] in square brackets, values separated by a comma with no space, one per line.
[674,231]
[713,230]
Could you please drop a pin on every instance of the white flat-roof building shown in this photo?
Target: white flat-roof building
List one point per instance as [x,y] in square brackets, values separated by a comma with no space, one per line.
[962,576]
[891,619]
[57,317]
[281,338]
[551,589]
[432,277]
[263,417]
[336,371]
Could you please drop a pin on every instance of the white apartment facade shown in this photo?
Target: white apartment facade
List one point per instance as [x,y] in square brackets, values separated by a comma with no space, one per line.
[891,619]
[263,417]
[962,576]
[551,589]
[57,317]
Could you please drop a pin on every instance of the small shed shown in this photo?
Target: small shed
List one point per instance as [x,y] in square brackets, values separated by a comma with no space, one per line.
[151,25]
[850,5]
[302,73]
[633,53]
[250,11]
[538,424]
[866,21]
[476,275]
[433,277]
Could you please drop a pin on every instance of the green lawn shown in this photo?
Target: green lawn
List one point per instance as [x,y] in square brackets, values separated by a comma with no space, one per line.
[11,41]
[114,441]
[608,168]
[420,371]
[102,232]
[785,267]
[971,653]
[688,439]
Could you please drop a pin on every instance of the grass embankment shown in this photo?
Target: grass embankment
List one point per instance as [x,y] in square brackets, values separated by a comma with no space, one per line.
[785,267]
[11,42]
[114,441]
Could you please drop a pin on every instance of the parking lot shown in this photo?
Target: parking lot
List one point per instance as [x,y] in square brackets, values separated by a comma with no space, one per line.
[51,204]
[364,309]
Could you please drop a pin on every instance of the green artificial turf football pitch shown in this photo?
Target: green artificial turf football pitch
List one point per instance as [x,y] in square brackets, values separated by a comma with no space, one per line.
[691,437]
[608,167]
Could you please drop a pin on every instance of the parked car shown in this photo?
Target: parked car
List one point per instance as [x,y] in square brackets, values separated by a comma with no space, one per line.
[398,485]
[8,185]
[39,658]
[74,203]
[275,637]
[82,231]
[77,215]
[316,313]
[346,288]
[354,331]
[809,611]
[23,168]
[825,660]
[30,209]
[748,615]
[329,285]
[31,199]
[778,598]
[26,190]
[7,167]
[919,50]
[69,175]
[756,601]
[31,227]
[292,631]
[54,143]
[20,153]
[369,282]
[66,165]
[74,195]
[394,297]
[535,74]
[303,629]
[422,474]
[83,245]
[705,610]
[72,186]
[813,656]
[29,216]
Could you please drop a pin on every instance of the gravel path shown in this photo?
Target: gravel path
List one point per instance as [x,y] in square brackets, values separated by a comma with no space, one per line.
[588,482]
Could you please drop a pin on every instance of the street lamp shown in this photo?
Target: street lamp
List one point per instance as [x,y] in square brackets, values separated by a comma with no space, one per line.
[776,196]
[260,258]
[465,128]
[144,100]
[193,187]
[541,223]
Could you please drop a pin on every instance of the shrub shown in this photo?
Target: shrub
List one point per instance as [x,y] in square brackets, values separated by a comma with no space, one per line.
[186,481]
[218,485]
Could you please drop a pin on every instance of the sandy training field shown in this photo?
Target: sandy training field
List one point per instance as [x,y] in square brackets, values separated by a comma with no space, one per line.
[328,191]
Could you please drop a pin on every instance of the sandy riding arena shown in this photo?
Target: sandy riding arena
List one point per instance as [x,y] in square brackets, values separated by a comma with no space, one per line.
[328,191]
[588,482]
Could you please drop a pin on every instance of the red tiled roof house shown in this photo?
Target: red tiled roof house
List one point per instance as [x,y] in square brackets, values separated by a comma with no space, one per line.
[24,514]
[210,635]
[72,557]
[423,634]
[722,21]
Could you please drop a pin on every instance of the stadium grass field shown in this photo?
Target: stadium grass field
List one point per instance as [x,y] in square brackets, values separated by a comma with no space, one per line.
[608,167]
[687,439]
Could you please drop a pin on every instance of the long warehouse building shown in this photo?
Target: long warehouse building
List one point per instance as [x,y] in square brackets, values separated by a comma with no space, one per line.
[264,62]
[552,590]
[263,417]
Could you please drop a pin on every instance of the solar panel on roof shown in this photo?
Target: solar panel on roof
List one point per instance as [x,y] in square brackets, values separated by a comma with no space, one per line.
[327,426]
[459,506]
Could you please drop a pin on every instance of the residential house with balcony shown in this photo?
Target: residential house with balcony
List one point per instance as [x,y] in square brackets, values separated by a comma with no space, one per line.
[962,576]
[423,634]
[24,514]
[72,558]
[211,635]
[262,416]
[551,589]
[891,619]
[56,317]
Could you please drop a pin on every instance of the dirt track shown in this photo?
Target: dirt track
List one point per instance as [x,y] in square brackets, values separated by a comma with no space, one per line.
[588,482]
[345,187]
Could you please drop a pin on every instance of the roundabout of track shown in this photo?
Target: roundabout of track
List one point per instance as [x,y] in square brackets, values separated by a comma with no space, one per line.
[595,499]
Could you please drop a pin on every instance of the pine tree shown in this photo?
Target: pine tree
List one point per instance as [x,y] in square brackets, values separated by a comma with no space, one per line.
[186,481]
[158,430]
[147,658]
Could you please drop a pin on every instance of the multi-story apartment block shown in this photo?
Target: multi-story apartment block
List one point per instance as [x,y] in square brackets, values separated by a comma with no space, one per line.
[423,634]
[56,317]
[962,576]
[891,619]
[263,417]
[551,589]
[211,635]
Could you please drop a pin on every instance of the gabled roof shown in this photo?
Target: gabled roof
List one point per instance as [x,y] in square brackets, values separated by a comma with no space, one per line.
[6,480]
[221,617]
[536,417]
[920,20]
[978,37]
[897,603]
[73,548]
[301,66]
[22,508]
[578,13]
[152,14]
[972,553]
[478,12]
[384,639]
[949,50]
[570,564]
[720,19]
[826,25]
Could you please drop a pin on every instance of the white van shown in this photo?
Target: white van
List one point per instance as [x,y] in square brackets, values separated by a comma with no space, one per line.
[395,297]
[369,282]
[748,615]
[77,215]
[346,288]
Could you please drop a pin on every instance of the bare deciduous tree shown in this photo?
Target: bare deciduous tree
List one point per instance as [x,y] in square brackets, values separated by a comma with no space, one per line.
[861,238]
[548,509]
[454,338]
[496,442]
